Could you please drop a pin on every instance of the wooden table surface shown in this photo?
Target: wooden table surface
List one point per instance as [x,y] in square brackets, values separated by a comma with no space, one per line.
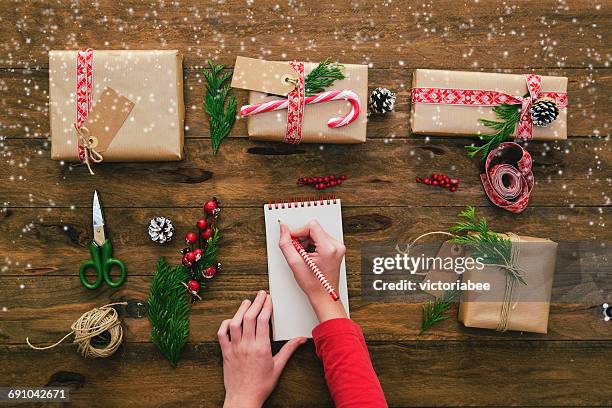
[45,218]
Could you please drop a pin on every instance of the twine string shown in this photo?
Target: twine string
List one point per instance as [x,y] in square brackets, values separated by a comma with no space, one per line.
[91,324]
[88,143]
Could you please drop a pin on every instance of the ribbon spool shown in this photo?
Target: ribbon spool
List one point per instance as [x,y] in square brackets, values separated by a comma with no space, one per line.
[508,180]
[92,324]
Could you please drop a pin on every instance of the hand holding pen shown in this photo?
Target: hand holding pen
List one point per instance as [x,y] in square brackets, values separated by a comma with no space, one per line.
[327,256]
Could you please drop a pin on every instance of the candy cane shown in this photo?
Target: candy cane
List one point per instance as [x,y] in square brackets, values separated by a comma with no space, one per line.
[280,104]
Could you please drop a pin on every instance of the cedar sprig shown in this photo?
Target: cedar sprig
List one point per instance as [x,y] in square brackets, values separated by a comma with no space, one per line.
[509,116]
[219,103]
[209,255]
[486,244]
[169,310]
[433,311]
[323,76]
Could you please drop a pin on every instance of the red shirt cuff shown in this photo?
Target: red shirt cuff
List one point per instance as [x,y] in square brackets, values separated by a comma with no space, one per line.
[334,327]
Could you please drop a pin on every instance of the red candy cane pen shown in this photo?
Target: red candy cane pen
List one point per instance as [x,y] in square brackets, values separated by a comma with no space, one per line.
[313,266]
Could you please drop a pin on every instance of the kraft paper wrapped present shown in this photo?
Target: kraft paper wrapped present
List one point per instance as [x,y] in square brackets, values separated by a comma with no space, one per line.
[510,304]
[131,104]
[258,75]
[462,120]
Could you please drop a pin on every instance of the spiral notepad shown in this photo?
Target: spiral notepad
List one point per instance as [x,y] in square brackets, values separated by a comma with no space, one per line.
[292,314]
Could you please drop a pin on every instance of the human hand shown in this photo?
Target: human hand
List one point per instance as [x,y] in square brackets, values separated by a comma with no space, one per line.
[250,372]
[328,255]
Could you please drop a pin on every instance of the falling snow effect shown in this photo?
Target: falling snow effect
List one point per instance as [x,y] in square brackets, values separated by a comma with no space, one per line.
[391,37]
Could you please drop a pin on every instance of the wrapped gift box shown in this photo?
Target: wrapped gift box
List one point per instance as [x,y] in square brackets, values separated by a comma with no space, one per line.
[270,126]
[151,80]
[461,120]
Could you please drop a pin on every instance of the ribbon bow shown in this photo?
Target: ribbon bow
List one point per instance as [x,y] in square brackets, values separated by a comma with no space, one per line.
[87,148]
[524,128]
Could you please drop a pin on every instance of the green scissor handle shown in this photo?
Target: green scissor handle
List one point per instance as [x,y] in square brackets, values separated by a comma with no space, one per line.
[102,262]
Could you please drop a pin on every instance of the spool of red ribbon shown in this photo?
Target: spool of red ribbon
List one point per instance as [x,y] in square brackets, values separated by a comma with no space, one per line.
[508,180]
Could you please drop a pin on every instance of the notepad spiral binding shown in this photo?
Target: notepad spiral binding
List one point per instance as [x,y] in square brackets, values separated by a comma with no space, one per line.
[297,202]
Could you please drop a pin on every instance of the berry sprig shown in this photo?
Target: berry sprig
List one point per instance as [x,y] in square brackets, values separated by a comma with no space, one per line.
[440,180]
[321,183]
[199,259]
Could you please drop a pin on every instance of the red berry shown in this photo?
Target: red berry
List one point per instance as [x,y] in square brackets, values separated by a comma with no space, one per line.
[190,257]
[418,180]
[310,180]
[198,253]
[339,181]
[202,224]
[193,285]
[343,177]
[326,179]
[332,177]
[191,237]
[332,183]
[427,180]
[454,181]
[185,262]
[453,188]
[207,233]
[211,207]
[210,272]
[319,179]
[435,182]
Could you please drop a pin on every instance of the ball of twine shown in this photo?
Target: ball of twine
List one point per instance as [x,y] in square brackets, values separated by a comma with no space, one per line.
[91,324]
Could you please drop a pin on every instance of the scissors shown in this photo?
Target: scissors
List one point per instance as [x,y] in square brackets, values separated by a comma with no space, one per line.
[101,251]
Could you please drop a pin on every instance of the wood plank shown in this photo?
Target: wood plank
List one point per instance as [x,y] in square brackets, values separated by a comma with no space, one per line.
[443,34]
[26,101]
[52,298]
[244,173]
[449,374]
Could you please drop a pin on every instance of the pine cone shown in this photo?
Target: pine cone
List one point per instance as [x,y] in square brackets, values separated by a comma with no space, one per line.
[382,100]
[543,112]
[161,230]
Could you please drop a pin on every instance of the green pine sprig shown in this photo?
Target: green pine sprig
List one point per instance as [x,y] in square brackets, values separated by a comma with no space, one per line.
[219,104]
[509,116]
[486,244]
[169,310]
[210,254]
[323,76]
[433,311]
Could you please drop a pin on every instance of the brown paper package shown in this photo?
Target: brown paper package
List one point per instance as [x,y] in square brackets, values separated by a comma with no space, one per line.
[153,80]
[455,120]
[270,126]
[538,262]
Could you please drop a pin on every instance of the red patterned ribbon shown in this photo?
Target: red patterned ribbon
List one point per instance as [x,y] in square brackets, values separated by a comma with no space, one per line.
[295,106]
[508,180]
[84,92]
[476,97]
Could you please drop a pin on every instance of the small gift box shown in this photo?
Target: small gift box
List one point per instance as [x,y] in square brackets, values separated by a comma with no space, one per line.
[116,105]
[452,103]
[337,115]
[516,299]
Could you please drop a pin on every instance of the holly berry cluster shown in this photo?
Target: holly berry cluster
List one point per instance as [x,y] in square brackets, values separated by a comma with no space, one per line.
[321,183]
[200,257]
[440,180]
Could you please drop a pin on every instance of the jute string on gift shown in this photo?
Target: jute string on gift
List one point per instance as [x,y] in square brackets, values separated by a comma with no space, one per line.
[513,274]
[87,142]
[91,324]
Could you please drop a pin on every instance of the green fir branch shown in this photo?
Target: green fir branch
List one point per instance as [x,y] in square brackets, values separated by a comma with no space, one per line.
[210,254]
[219,103]
[486,244]
[433,311]
[509,116]
[323,76]
[169,310]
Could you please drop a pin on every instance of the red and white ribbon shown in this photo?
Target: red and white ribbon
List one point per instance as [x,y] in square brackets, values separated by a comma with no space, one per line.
[508,180]
[477,97]
[295,106]
[295,102]
[84,93]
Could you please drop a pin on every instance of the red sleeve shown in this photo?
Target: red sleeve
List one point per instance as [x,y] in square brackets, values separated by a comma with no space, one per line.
[349,374]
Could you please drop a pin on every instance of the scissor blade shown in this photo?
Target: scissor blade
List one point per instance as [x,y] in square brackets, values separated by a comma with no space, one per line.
[98,219]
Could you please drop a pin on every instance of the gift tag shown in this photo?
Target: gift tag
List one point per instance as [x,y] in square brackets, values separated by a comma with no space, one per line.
[106,118]
[271,77]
